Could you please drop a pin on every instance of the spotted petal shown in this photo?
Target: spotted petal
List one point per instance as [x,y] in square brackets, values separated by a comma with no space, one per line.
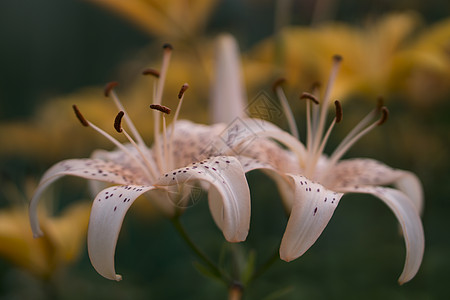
[364,172]
[229,196]
[95,169]
[192,142]
[107,214]
[313,208]
[283,182]
[410,222]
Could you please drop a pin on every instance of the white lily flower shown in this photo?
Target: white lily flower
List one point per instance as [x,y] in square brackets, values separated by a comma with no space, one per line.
[167,172]
[312,184]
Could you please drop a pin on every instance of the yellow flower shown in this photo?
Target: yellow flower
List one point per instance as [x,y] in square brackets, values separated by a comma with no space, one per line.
[171,19]
[384,56]
[64,239]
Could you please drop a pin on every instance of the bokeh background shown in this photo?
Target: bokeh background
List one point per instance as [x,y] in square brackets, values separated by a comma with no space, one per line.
[57,53]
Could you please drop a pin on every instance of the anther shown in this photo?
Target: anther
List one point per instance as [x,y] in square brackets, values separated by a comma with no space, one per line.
[183,89]
[277,83]
[152,72]
[109,87]
[161,108]
[384,116]
[167,46]
[337,58]
[80,117]
[339,113]
[118,122]
[309,96]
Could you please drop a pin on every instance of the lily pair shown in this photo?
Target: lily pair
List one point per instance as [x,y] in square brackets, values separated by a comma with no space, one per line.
[218,157]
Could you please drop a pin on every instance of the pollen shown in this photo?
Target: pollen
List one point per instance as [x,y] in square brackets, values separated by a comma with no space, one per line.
[161,108]
[118,122]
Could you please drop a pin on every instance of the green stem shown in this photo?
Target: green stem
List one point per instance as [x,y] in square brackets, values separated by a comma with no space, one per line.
[179,227]
[263,268]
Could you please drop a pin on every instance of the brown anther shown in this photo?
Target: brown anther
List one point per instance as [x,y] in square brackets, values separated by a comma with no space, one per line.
[118,122]
[183,89]
[309,96]
[384,115]
[80,117]
[152,72]
[167,46]
[161,108]
[278,83]
[337,58]
[109,87]
[339,112]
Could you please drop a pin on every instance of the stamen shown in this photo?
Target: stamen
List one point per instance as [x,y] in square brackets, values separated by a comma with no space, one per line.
[165,145]
[318,153]
[157,100]
[80,117]
[109,87]
[183,89]
[338,106]
[109,92]
[350,141]
[337,58]
[118,121]
[152,72]
[309,96]
[326,98]
[384,116]
[161,108]
[286,108]
[115,142]
[277,83]
[167,46]
[119,129]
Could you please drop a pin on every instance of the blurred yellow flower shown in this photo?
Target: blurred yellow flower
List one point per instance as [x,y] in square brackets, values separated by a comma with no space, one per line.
[386,57]
[171,19]
[63,241]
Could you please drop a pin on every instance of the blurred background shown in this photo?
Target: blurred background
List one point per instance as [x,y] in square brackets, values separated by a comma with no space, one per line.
[57,53]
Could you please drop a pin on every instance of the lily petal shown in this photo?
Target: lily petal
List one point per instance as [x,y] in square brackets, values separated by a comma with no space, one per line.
[107,214]
[313,208]
[409,219]
[364,172]
[409,184]
[283,182]
[94,169]
[352,172]
[229,196]
[192,141]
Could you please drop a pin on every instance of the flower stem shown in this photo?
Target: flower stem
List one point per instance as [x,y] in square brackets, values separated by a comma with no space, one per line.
[213,268]
[263,268]
[235,292]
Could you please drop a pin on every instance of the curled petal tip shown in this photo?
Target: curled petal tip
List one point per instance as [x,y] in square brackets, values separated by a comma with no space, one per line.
[118,277]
